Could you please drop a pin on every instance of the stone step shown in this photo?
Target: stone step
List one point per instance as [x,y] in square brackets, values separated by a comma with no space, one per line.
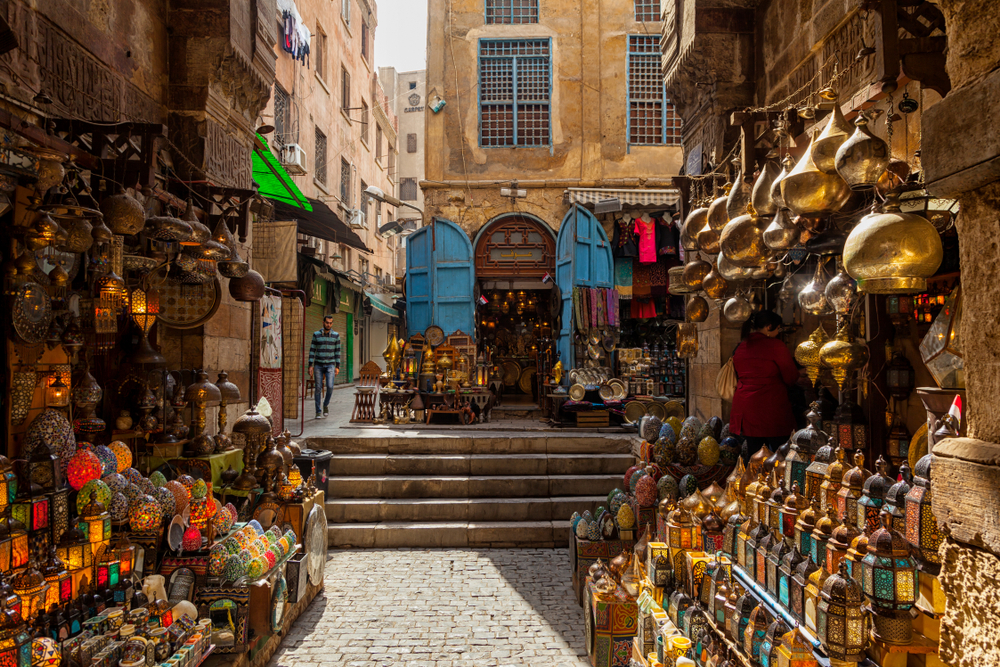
[460,486]
[450,444]
[344,465]
[374,510]
[452,534]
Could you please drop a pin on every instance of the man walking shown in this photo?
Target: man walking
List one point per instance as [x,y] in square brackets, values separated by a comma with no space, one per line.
[324,357]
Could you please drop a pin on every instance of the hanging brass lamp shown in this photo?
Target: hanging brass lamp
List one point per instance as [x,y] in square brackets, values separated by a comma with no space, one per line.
[841,290]
[694,272]
[737,310]
[781,234]
[730,271]
[807,352]
[708,239]
[837,130]
[694,223]
[760,197]
[893,252]
[739,196]
[807,190]
[863,158]
[812,298]
[714,284]
[742,240]
[696,309]
[843,355]
[787,164]
[717,215]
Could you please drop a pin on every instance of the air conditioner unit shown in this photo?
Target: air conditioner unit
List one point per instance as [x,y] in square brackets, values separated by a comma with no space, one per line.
[356,219]
[293,159]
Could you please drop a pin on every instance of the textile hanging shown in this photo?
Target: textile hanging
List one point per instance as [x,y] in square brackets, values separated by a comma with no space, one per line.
[623,277]
[269,380]
[295,36]
[642,279]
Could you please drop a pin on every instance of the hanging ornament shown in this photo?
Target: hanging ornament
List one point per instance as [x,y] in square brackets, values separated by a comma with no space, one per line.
[837,130]
[714,284]
[694,272]
[694,223]
[717,215]
[843,355]
[841,290]
[787,163]
[807,190]
[760,196]
[812,298]
[863,158]
[807,353]
[739,194]
[730,271]
[781,234]
[737,310]
[696,309]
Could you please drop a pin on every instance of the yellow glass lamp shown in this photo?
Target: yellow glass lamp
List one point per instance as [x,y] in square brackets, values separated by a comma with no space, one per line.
[682,532]
[31,587]
[795,651]
[57,393]
[144,307]
[95,522]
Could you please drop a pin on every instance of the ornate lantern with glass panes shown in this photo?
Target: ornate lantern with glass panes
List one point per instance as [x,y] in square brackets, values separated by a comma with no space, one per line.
[872,497]
[774,506]
[755,631]
[816,470]
[682,532]
[841,623]
[895,497]
[795,651]
[8,483]
[793,505]
[772,640]
[95,522]
[741,541]
[764,492]
[820,537]
[15,642]
[813,588]
[899,378]
[850,491]
[757,534]
[797,588]
[805,525]
[763,549]
[856,557]
[786,571]
[921,527]
[852,427]
[712,533]
[804,444]
[779,549]
[839,545]
[31,587]
[60,584]
[719,605]
[730,534]
[831,481]
[890,583]
[740,617]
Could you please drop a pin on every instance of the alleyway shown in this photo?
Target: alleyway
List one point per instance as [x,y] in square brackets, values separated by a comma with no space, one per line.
[441,608]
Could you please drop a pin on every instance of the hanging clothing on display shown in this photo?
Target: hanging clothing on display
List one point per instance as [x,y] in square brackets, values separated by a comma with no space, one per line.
[642,280]
[623,240]
[614,319]
[295,36]
[623,277]
[667,238]
[643,309]
[659,280]
[645,230]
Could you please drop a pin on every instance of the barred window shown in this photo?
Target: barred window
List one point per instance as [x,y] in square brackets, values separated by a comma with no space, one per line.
[411,142]
[364,204]
[515,87]
[652,120]
[320,157]
[408,189]
[512,11]
[392,161]
[378,143]
[647,10]
[345,182]
[280,116]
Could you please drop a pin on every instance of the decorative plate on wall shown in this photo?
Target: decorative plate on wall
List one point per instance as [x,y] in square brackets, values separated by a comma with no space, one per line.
[188,306]
[279,599]
[32,313]
[434,335]
[634,411]
[315,543]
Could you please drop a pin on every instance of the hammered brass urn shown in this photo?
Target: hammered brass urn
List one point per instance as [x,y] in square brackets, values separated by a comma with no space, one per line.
[714,284]
[843,355]
[893,252]
[694,272]
[696,309]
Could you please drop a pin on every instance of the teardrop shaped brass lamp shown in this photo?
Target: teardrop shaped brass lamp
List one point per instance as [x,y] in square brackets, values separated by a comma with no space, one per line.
[824,148]
[843,355]
[717,215]
[714,284]
[739,196]
[863,158]
[807,353]
[694,223]
[760,197]
[808,190]
[730,271]
[781,234]
[787,164]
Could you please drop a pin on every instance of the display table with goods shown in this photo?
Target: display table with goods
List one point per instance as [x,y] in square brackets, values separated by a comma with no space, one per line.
[804,558]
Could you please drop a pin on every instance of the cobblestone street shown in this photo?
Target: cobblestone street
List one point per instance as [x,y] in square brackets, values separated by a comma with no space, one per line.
[441,608]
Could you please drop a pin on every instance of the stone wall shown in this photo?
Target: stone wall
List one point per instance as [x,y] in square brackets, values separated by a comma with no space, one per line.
[717,339]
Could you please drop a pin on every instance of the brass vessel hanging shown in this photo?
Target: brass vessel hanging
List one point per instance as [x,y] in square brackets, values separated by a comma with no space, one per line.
[781,234]
[841,290]
[689,232]
[893,252]
[737,310]
[863,158]
[787,164]
[742,240]
[730,271]
[812,298]
[824,148]
[694,272]
[714,284]
[739,196]
[807,353]
[843,355]
[808,190]
[760,197]
[717,215]
[696,309]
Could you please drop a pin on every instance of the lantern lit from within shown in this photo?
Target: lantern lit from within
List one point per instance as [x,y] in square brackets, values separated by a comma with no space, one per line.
[890,583]
[795,651]
[921,526]
[15,642]
[57,393]
[110,289]
[841,624]
[60,589]
[95,523]
[31,587]
[682,533]
[74,550]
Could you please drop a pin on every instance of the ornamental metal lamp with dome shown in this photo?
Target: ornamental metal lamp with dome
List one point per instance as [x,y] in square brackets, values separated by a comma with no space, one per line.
[804,526]
[841,623]
[895,497]
[15,642]
[890,583]
[797,588]
[773,639]
[816,470]
[779,549]
[851,487]
[922,530]
[873,496]
[785,574]
[831,480]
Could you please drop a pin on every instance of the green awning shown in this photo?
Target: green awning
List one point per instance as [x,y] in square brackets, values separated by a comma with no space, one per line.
[382,306]
[274,181]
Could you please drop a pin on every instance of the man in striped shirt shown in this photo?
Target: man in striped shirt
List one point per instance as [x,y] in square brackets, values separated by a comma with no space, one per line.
[324,363]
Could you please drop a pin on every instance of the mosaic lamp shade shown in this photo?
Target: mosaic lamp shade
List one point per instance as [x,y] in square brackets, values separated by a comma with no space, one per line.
[890,583]
[60,584]
[31,587]
[841,623]
[146,515]
[921,526]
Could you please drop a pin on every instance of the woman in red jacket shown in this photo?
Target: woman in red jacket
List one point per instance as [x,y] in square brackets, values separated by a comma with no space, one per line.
[762,413]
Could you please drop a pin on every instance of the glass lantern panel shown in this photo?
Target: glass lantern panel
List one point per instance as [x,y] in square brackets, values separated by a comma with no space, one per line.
[905,589]
[883,584]
[783,591]
[40,511]
[821,621]
[19,550]
[835,632]
[113,571]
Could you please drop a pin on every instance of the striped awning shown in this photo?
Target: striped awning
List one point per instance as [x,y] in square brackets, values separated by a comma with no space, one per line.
[380,304]
[591,196]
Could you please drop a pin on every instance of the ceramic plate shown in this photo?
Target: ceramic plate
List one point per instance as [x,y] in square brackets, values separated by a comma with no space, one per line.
[634,411]
[656,410]
[577,392]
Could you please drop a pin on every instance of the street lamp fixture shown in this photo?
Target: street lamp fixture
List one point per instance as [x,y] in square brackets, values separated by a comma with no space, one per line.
[376,193]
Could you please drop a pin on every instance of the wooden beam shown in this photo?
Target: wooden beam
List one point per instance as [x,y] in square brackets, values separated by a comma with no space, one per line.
[41,137]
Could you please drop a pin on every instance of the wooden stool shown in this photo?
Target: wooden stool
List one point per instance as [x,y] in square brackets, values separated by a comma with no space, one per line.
[366,395]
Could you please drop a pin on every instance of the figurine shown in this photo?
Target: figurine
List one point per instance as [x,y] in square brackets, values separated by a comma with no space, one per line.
[557,372]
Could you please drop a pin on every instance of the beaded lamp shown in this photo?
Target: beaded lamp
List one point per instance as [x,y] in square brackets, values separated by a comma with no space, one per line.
[816,470]
[60,584]
[95,523]
[872,496]
[795,651]
[831,481]
[895,497]
[922,530]
[797,588]
[31,587]
[850,491]
[145,515]
[839,545]
[773,639]
[841,624]
[775,556]
[786,571]
[890,583]
[755,631]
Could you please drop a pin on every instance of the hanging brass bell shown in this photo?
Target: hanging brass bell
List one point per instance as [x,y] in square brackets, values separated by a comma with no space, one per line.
[863,158]
[893,252]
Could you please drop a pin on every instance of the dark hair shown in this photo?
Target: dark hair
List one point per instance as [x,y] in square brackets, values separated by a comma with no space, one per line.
[762,319]
[328,317]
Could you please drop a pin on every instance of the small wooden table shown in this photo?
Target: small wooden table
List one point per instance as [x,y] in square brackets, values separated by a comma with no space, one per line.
[438,404]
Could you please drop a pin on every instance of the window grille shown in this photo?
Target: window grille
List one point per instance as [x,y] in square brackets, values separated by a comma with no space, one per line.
[652,120]
[512,11]
[320,157]
[345,182]
[408,189]
[647,11]
[515,86]
[411,143]
[280,116]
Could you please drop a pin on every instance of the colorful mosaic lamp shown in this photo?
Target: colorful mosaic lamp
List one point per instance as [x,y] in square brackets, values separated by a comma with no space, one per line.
[60,584]
[773,639]
[831,481]
[95,522]
[31,587]
[755,631]
[15,642]
[841,623]
[922,530]
[872,497]
[8,483]
[795,651]
[851,487]
[895,497]
[890,583]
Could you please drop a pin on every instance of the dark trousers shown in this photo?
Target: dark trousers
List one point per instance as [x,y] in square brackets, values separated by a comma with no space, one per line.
[752,445]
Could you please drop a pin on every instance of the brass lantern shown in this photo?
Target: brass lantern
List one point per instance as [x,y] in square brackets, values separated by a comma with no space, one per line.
[839,545]
[898,441]
[850,491]
[772,641]
[807,352]
[794,505]
[779,549]
[899,378]
[852,427]
[31,587]
[841,624]
[895,497]
[831,481]
[15,642]
[8,484]
[740,617]
[254,428]
[795,651]
[786,572]
[890,583]
[893,252]
[95,523]
[682,533]
[843,355]
[712,533]
[14,546]
[687,340]
[922,530]
[862,158]
[872,498]
[941,347]
[57,393]
[756,535]
[821,536]
[816,470]
[755,631]
[856,557]
[804,526]
[763,549]
[797,588]
[74,550]
[144,307]
[775,505]
[742,536]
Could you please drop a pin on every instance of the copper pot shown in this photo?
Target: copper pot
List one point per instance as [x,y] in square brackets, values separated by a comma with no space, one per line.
[248,288]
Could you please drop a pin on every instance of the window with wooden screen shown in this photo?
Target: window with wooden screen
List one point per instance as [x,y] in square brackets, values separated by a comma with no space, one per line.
[515,88]
[652,119]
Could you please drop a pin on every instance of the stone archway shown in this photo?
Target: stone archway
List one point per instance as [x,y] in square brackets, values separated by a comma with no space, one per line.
[515,245]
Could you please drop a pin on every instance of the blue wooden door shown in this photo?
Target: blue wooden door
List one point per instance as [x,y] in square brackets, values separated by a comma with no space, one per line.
[583,259]
[440,279]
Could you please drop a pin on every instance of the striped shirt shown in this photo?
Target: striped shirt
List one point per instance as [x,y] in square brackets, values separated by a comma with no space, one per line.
[325,348]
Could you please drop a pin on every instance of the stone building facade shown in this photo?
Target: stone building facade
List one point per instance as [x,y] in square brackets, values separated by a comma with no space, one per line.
[725,57]
[571,130]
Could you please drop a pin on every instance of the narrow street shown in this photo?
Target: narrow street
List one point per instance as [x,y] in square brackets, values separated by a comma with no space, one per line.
[440,608]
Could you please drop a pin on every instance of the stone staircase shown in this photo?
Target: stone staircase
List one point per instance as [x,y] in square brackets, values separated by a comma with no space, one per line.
[461,491]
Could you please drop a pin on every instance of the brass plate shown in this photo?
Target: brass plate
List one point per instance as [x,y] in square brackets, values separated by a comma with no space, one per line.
[674,409]
[510,372]
[620,390]
[526,380]
[606,392]
[187,306]
[656,410]
[577,392]
[918,446]
[434,335]
[32,313]
[634,411]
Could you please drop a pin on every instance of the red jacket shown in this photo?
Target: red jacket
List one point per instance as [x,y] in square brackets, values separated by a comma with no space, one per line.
[764,370]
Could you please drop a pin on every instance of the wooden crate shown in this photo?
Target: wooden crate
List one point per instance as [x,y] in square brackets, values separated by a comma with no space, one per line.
[593,419]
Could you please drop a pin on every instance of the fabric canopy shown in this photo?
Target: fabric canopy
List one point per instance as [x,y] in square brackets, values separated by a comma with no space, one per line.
[665,197]
[382,306]
[274,181]
[320,222]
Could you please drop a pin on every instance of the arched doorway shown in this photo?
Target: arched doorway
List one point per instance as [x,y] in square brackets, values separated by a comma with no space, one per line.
[515,246]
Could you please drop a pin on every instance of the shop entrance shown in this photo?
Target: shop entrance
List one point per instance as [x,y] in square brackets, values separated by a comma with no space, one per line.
[515,264]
